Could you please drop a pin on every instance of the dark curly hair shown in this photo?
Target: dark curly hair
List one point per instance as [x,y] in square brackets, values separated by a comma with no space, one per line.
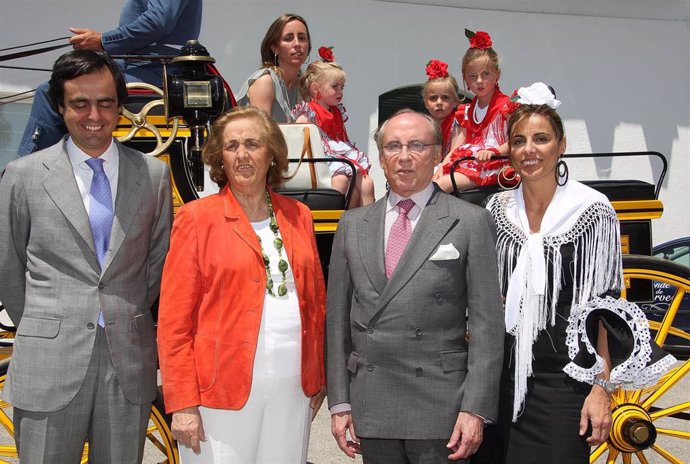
[272,136]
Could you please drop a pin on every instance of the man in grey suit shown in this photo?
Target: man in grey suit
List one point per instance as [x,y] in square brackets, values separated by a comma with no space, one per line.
[403,380]
[84,229]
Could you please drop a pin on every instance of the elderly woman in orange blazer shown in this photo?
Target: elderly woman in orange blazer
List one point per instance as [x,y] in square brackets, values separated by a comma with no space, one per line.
[242,307]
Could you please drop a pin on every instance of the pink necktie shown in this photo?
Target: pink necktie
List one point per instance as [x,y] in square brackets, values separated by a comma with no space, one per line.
[399,236]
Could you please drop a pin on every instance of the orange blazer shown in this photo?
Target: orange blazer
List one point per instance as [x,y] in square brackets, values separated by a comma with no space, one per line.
[212,297]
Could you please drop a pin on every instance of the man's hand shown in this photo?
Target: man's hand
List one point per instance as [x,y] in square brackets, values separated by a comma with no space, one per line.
[340,424]
[316,401]
[188,429]
[597,411]
[467,436]
[85,39]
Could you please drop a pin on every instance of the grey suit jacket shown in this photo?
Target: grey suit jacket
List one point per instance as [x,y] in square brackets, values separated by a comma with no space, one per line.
[52,284]
[396,349]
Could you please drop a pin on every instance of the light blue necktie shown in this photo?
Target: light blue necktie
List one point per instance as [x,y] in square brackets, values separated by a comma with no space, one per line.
[100,213]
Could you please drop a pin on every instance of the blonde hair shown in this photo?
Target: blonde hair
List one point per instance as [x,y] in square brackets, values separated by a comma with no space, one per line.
[449,79]
[477,53]
[317,71]
[212,153]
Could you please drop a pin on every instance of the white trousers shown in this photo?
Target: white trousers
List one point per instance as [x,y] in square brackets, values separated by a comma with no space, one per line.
[272,428]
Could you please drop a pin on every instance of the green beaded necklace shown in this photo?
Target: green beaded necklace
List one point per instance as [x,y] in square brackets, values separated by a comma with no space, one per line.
[278,245]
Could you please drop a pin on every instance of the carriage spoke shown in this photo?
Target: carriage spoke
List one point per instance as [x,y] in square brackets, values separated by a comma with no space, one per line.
[613,454]
[677,376]
[666,454]
[674,433]
[640,457]
[670,411]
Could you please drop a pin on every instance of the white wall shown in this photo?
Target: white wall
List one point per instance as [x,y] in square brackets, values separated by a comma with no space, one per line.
[623,82]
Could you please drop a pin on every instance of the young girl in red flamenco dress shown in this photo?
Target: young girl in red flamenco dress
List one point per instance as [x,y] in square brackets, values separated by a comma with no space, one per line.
[324,81]
[441,99]
[482,133]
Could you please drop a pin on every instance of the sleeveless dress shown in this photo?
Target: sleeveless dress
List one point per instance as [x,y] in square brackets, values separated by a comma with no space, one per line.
[284,100]
[336,143]
[489,133]
[582,262]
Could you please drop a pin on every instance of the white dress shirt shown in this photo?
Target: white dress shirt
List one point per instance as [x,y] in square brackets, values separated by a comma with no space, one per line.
[420,199]
[83,173]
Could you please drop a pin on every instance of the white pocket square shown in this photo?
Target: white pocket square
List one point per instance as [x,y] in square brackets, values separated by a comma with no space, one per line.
[445,252]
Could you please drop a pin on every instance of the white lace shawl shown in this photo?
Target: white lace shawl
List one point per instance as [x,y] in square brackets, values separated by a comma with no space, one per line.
[577,214]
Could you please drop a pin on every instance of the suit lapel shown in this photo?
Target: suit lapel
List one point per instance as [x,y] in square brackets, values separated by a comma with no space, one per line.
[433,225]
[370,239]
[61,186]
[238,221]
[130,188]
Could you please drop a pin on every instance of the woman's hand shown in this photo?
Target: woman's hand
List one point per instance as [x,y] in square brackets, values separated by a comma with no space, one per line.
[597,411]
[316,401]
[188,429]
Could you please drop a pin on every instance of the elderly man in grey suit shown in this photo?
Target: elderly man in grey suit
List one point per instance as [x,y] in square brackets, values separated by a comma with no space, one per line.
[84,229]
[403,380]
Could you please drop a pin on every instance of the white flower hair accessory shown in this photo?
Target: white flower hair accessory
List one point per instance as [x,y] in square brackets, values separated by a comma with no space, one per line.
[537,94]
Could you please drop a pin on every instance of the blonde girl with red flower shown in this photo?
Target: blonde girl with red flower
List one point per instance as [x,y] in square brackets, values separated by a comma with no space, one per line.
[482,130]
[324,81]
[441,95]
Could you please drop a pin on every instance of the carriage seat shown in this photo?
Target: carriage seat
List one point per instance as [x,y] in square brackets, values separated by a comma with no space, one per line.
[315,192]
[623,190]
[478,196]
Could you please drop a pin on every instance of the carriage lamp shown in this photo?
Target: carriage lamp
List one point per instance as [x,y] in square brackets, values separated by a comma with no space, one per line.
[197,96]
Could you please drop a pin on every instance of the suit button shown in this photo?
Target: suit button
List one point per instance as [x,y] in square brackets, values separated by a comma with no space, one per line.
[418,332]
[370,330]
[90,326]
[438,298]
[101,286]
[370,367]
[419,372]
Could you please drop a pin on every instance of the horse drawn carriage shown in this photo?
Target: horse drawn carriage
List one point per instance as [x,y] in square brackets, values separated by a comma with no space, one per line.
[170,124]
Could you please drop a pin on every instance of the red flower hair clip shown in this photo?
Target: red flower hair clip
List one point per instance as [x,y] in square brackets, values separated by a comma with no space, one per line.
[326,54]
[436,69]
[480,39]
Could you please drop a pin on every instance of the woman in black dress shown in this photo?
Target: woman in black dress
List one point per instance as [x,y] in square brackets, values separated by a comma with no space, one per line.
[559,257]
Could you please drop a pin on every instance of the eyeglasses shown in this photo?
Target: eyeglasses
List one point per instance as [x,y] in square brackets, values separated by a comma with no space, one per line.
[250,145]
[416,147]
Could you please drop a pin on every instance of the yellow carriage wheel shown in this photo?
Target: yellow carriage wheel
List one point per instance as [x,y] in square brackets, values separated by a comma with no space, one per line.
[160,446]
[646,427]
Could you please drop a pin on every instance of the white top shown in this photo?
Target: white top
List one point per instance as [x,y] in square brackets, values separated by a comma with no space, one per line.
[278,351]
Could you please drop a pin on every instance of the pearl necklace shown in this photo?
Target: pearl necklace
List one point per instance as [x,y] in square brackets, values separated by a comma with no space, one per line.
[483,112]
[278,245]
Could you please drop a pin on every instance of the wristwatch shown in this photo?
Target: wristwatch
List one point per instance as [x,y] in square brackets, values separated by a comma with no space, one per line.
[608,386]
